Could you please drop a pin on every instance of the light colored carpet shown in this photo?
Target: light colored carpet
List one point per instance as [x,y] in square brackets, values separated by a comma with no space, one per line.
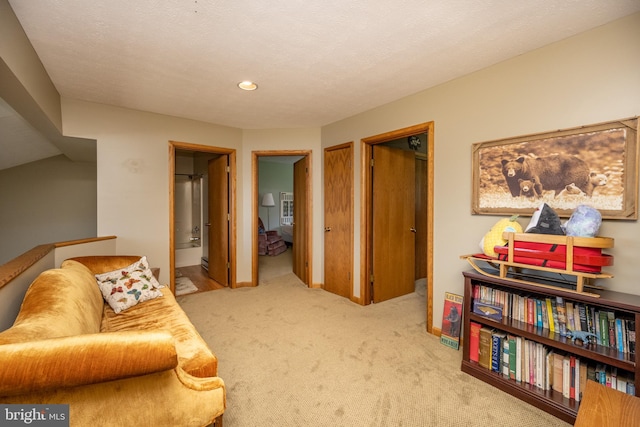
[184,286]
[274,266]
[293,356]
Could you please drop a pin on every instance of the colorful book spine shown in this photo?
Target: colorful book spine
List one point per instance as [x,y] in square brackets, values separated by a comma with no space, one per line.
[572,377]
[505,356]
[576,380]
[570,320]
[583,318]
[611,319]
[474,341]
[496,350]
[550,314]
[513,355]
[531,311]
[566,377]
[545,316]
[576,317]
[539,322]
[631,336]
[603,331]
[562,316]
[554,313]
[484,351]
[619,335]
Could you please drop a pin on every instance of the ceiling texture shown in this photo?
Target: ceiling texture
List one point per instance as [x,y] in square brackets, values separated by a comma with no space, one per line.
[315,62]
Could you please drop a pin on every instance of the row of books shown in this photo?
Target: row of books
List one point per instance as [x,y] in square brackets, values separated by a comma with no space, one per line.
[560,316]
[533,363]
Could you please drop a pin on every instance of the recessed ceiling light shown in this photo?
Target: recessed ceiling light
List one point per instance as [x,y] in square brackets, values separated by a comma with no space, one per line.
[247,85]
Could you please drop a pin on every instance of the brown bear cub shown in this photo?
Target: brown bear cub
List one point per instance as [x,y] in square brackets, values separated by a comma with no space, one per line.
[551,173]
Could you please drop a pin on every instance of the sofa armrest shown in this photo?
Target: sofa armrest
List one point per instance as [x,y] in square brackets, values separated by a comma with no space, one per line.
[83,359]
[167,398]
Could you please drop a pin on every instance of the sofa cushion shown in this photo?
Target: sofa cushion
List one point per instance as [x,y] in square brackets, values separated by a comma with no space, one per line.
[194,356]
[60,302]
[125,287]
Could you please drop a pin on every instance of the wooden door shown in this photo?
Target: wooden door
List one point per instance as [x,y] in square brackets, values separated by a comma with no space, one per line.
[219,220]
[300,249]
[393,210]
[421,217]
[338,220]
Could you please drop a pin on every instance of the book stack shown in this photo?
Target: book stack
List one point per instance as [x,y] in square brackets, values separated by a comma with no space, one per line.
[533,363]
[560,316]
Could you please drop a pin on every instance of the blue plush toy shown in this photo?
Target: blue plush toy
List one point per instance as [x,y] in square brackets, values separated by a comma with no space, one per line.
[584,222]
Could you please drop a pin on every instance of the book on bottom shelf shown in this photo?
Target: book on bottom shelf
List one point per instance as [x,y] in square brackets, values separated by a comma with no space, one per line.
[484,350]
[513,354]
[557,373]
[497,347]
[474,341]
[528,361]
[505,356]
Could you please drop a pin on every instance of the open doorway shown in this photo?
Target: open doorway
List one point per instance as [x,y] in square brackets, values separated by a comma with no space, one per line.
[281,236]
[392,163]
[202,217]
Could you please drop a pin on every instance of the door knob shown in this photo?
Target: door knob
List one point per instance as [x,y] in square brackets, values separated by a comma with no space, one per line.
[412,229]
[326,229]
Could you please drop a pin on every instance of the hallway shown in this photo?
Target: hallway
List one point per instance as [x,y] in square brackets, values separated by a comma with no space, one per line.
[269,267]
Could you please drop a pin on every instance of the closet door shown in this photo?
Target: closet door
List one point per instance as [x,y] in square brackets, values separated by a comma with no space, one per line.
[338,220]
[219,220]
[300,244]
[393,223]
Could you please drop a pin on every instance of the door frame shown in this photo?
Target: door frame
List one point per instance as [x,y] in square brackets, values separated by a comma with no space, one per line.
[366,214]
[177,145]
[255,155]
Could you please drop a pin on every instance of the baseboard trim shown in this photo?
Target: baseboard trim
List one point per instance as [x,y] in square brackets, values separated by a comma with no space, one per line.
[244,285]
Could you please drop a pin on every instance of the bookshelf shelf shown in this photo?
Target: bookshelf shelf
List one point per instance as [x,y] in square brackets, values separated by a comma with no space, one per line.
[556,403]
[544,336]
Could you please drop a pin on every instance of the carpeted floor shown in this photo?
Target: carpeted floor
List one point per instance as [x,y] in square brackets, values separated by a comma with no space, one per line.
[293,356]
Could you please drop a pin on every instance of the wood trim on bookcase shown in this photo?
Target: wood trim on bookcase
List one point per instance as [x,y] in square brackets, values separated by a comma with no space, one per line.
[552,402]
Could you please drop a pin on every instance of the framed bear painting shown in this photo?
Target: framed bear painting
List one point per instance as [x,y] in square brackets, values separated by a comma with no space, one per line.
[595,165]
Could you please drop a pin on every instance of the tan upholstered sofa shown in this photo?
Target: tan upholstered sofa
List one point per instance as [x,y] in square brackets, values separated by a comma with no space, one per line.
[145,366]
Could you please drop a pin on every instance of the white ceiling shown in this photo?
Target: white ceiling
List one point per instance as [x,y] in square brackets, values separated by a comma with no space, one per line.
[315,62]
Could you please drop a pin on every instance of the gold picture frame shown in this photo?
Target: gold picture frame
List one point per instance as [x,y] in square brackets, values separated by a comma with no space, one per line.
[595,165]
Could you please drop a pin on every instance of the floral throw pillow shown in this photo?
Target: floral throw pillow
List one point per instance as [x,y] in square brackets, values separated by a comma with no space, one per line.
[126,287]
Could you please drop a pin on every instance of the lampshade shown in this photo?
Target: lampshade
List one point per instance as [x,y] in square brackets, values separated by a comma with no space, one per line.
[267,200]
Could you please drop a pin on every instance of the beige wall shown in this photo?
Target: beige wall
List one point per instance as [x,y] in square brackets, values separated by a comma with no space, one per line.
[590,78]
[50,200]
[133,174]
[133,171]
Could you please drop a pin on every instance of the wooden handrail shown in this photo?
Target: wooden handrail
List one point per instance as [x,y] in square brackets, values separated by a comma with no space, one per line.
[12,269]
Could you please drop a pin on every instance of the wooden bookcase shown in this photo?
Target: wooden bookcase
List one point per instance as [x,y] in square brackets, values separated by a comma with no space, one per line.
[624,305]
